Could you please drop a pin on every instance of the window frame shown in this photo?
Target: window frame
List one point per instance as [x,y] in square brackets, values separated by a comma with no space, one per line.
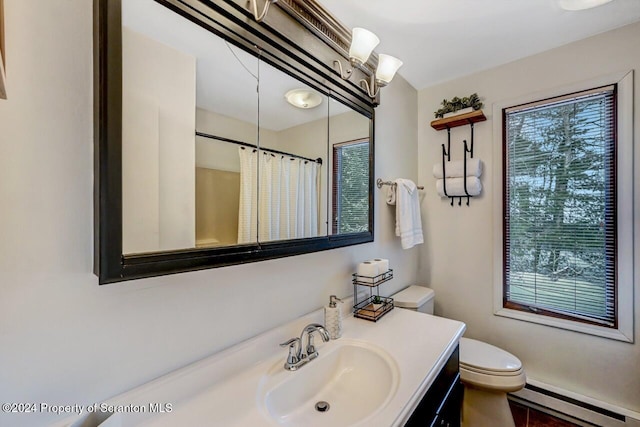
[572,97]
[623,330]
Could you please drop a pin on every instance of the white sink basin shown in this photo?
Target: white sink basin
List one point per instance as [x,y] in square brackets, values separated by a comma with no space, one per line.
[374,376]
[356,379]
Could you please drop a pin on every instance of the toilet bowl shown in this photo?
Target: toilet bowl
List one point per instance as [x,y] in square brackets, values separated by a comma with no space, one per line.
[487,372]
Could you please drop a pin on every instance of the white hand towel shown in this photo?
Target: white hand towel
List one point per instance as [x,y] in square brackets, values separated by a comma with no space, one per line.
[455,169]
[455,187]
[391,195]
[408,222]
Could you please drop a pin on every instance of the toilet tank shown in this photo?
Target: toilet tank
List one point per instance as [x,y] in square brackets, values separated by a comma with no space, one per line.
[416,298]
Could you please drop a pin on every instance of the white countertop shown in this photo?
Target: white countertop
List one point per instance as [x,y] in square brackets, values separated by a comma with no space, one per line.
[222,390]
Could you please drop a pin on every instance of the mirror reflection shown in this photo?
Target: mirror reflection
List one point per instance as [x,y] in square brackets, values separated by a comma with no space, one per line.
[171,179]
[222,149]
[227,129]
[349,180]
[293,158]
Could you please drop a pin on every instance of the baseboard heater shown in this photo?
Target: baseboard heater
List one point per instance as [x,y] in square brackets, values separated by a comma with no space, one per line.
[577,409]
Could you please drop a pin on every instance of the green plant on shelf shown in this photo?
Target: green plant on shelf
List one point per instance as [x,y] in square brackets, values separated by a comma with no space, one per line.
[456,104]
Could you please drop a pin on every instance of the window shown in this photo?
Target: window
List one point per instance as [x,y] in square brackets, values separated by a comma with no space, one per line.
[560,215]
[351,187]
[546,244]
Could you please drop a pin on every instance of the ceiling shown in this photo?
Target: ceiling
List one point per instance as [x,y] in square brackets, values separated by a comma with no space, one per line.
[441,40]
[226,76]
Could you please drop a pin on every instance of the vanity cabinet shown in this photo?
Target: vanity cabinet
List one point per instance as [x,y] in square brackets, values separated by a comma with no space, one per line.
[442,403]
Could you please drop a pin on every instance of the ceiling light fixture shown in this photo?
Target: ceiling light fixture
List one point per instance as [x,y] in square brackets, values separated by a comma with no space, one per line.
[303,98]
[362,44]
[581,4]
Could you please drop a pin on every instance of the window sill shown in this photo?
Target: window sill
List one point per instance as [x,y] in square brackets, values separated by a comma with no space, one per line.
[600,331]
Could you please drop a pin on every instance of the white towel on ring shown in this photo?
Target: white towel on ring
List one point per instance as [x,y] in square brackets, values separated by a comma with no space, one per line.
[391,194]
[408,221]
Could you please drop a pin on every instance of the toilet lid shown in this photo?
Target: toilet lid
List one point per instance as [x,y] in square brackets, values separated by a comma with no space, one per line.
[485,357]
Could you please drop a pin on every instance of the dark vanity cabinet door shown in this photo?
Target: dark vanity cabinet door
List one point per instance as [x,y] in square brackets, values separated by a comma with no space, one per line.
[442,404]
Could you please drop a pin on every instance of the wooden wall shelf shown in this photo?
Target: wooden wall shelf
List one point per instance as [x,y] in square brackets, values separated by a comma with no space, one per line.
[459,120]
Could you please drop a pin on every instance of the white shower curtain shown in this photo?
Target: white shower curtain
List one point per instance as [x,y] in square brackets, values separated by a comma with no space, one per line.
[247,210]
[287,201]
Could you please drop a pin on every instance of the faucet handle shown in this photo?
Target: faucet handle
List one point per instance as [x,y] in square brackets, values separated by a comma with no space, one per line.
[294,353]
[311,348]
[290,343]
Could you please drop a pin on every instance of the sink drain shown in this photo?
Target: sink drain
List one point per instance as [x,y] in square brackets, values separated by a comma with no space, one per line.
[322,406]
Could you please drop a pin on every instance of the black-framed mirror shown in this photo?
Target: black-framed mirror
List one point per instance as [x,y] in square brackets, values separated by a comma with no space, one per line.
[221,141]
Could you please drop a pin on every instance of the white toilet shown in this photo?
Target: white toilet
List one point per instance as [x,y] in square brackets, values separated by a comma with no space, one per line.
[487,372]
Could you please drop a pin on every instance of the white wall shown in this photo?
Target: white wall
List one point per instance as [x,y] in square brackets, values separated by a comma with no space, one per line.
[306,140]
[456,259]
[158,150]
[64,339]
[215,154]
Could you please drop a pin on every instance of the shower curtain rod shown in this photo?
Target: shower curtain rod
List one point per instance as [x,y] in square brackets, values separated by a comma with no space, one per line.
[246,144]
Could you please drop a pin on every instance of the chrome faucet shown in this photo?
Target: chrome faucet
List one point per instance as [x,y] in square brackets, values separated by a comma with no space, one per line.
[296,357]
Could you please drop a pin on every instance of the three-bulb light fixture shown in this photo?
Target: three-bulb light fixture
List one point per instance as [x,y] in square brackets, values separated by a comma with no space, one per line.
[362,44]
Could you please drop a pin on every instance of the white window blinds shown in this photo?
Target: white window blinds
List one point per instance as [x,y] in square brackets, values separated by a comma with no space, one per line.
[560,207]
[351,187]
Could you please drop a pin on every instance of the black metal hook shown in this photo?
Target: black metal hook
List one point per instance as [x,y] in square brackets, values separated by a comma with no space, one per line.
[445,152]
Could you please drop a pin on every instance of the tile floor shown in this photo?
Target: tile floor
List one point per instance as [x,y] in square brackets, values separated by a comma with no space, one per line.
[524,416]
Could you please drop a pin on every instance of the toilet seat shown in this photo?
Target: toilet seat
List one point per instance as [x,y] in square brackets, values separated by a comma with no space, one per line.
[490,367]
[486,372]
[487,358]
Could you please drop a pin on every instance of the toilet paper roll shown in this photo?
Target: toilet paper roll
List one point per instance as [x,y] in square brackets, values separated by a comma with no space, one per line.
[367,269]
[383,265]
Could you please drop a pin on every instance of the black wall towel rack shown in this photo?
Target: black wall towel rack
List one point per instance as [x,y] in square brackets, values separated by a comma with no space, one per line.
[446,152]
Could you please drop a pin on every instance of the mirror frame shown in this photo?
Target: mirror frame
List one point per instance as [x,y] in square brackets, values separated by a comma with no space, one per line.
[286,42]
